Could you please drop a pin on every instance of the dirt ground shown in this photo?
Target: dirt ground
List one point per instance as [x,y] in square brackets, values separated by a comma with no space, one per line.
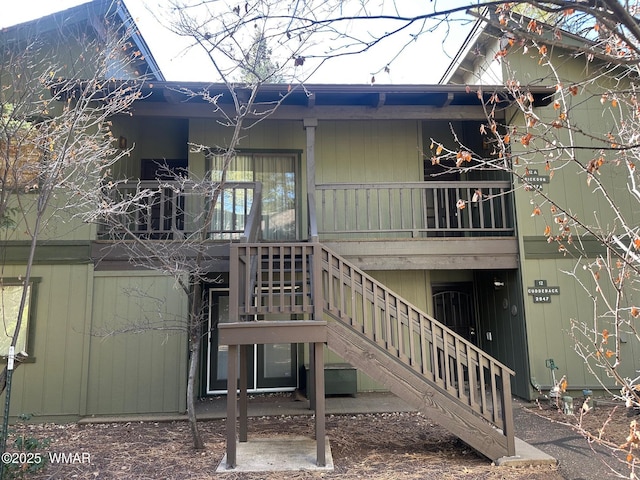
[380,446]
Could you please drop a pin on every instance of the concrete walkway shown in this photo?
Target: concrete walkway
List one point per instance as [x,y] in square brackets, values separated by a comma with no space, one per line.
[577,460]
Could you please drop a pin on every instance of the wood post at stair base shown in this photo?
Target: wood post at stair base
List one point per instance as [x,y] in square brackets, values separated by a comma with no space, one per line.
[232,388]
[241,335]
[318,355]
[244,372]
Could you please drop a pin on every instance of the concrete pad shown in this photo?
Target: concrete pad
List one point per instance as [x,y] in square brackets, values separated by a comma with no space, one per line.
[277,454]
[526,456]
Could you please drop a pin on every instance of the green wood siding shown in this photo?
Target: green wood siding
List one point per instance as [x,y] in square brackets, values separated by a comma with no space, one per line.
[136,373]
[548,324]
[53,385]
[154,138]
[368,151]
[60,223]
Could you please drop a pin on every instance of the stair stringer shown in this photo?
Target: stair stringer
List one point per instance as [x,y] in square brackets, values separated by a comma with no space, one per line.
[415,389]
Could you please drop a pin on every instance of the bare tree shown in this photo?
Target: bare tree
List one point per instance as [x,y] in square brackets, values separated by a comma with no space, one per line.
[55,144]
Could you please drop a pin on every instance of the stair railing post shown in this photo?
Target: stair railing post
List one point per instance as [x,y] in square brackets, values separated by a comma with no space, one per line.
[316,281]
[236,286]
[317,355]
[507,414]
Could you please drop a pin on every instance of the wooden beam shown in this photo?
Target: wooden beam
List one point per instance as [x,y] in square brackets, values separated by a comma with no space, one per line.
[244,373]
[310,125]
[267,332]
[430,253]
[448,100]
[311,100]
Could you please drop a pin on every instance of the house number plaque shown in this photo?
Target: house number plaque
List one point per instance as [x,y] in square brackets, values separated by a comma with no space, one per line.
[541,293]
[533,179]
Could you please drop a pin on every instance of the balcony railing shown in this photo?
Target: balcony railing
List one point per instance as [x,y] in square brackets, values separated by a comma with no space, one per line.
[165,210]
[171,210]
[414,209]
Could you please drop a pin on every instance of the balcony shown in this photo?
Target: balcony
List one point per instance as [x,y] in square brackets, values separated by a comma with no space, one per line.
[414,210]
[173,210]
[466,225]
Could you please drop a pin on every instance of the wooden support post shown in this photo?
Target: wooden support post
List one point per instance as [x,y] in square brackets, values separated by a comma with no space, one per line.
[319,403]
[310,125]
[311,385]
[244,352]
[232,388]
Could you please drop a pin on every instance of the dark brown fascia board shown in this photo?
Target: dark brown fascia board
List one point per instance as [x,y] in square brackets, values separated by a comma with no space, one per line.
[446,94]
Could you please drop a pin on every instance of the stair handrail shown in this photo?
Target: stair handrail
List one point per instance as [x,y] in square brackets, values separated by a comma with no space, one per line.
[449,342]
[336,288]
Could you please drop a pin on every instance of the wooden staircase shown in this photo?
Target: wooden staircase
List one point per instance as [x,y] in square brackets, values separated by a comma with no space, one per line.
[419,359]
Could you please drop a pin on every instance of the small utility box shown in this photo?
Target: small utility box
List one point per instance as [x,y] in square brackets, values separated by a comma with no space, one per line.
[339,379]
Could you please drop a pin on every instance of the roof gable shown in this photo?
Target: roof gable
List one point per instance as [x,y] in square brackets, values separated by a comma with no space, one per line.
[89,17]
[487,37]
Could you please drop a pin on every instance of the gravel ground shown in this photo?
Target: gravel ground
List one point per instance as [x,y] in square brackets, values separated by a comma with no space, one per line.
[379,446]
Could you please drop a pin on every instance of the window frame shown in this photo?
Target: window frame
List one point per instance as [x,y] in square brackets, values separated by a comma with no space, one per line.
[30,318]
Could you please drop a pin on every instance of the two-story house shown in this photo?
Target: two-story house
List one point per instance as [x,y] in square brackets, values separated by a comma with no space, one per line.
[333,211]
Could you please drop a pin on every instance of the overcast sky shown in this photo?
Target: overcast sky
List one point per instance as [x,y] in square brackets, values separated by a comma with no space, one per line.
[424,62]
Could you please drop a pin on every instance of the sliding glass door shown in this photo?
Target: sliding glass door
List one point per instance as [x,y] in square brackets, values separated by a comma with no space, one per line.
[277,173]
[271,367]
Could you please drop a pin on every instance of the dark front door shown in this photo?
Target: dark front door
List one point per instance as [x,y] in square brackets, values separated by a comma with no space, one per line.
[272,367]
[453,306]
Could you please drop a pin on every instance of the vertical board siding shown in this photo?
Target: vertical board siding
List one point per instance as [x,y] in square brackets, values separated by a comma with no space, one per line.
[136,373]
[368,151]
[548,324]
[52,385]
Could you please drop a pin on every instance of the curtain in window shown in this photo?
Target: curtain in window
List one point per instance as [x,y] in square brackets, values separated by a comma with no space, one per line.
[277,175]
[276,172]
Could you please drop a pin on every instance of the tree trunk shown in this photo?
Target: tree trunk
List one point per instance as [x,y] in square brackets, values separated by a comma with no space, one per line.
[194,344]
[19,358]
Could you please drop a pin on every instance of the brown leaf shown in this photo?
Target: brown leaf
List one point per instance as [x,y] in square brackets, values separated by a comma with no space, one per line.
[526,139]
